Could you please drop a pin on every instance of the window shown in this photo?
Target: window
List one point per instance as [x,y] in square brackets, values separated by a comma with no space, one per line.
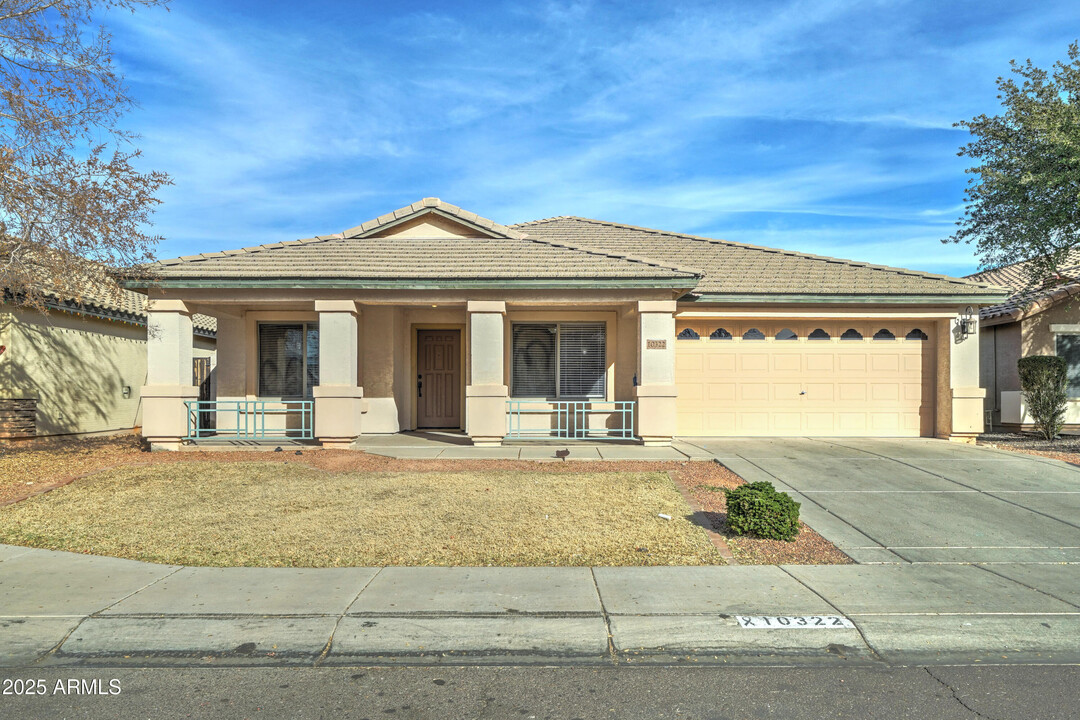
[851,334]
[787,334]
[688,334]
[1068,347]
[884,334]
[720,334]
[288,359]
[753,334]
[559,360]
[917,334]
[819,334]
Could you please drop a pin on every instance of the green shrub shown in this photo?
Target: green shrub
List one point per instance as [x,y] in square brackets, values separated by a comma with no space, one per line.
[758,509]
[1043,379]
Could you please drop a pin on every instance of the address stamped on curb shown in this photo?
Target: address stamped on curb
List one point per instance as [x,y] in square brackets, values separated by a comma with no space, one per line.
[793,621]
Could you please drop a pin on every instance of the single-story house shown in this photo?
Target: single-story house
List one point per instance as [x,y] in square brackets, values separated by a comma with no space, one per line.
[78,370]
[1031,321]
[434,317]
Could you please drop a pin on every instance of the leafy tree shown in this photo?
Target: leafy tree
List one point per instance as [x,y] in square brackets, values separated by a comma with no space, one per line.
[1024,203]
[69,188]
[1044,380]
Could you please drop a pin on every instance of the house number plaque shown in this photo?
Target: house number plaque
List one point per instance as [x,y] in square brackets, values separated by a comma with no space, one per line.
[656,344]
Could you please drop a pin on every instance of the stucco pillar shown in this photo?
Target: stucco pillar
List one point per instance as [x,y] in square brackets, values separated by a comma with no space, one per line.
[655,392]
[168,374]
[486,393]
[339,399]
[966,398]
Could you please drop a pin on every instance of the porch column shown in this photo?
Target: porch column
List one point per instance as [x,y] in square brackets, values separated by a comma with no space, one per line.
[655,393]
[168,374]
[963,397]
[339,399]
[486,393]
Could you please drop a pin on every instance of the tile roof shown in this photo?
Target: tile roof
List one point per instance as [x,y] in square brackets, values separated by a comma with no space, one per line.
[1026,300]
[499,253]
[732,268]
[444,208]
[127,304]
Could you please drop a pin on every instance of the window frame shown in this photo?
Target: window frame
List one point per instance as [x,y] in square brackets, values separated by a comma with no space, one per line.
[557,365]
[306,391]
[1057,352]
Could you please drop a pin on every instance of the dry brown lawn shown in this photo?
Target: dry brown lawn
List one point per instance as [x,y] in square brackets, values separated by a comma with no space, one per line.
[291,514]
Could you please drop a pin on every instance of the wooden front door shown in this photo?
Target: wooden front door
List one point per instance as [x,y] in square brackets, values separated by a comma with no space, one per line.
[438,379]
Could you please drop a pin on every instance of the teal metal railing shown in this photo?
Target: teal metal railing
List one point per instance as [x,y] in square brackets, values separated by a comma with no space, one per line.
[569,419]
[247,419]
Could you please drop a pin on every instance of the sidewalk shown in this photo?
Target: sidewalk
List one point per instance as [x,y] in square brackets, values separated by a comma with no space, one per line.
[431,445]
[59,609]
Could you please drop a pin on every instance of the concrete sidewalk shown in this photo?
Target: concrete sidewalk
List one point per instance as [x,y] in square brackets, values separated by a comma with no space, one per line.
[67,609]
[437,445]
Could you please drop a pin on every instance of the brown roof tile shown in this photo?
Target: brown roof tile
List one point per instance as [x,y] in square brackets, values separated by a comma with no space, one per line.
[731,268]
[1025,299]
[355,255]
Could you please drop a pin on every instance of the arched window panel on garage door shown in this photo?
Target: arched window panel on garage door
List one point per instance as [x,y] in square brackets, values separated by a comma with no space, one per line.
[884,334]
[688,334]
[819,334]
[851,334]
[753,334]
[787,334]
[916,334]
[720,334]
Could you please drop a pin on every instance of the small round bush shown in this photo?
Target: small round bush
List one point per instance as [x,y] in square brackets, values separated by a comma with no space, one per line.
[758,509]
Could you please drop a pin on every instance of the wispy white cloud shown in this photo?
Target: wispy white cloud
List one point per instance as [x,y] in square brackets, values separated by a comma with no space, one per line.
[702,117]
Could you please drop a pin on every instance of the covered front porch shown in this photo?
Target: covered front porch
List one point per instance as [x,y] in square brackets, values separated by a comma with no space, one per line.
[488,369]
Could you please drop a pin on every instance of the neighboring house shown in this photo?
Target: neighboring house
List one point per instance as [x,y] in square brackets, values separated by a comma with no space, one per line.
[1032,321]
[433,317]
[79,369]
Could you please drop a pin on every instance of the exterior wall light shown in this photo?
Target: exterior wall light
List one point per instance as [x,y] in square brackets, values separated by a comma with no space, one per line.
[126,391]
[967,322]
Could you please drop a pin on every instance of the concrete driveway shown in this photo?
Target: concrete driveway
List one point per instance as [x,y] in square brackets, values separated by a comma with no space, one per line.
[919,500]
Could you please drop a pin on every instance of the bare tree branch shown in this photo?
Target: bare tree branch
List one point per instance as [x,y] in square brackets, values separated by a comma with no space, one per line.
[73,208]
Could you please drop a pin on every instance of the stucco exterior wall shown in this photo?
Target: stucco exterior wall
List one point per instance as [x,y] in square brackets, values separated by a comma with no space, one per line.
[1038,339]
[77,368]
[379,348]
[1032,335]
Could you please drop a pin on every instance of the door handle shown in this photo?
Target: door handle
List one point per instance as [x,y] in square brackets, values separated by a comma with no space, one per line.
[419,386]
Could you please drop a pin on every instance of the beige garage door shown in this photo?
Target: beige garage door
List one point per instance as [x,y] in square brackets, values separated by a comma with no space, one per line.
[798,378]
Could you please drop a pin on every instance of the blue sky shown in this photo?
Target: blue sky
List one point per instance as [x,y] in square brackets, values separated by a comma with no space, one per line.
[823,127]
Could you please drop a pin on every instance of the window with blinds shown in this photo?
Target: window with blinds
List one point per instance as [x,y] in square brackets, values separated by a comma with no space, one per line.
[559,360]
[1068,347]
[288,359]
[582,365]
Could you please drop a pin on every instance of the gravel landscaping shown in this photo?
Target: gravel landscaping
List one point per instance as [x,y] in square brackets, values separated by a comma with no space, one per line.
[109,496]
[1065,447]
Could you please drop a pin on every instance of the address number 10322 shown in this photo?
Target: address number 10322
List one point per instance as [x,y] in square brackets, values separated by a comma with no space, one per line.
[822,622]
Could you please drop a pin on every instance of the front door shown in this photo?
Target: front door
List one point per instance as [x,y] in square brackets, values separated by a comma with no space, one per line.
[438,379]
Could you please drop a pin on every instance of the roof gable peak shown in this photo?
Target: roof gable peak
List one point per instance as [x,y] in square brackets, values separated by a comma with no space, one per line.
[443,219]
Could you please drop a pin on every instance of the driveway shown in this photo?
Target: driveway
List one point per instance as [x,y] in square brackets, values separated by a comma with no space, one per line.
[919,500]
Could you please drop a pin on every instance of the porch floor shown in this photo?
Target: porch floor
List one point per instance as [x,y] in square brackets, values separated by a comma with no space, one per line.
[430,445]
[452,445]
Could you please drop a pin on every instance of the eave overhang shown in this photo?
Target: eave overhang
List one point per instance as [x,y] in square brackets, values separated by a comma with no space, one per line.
[819,299]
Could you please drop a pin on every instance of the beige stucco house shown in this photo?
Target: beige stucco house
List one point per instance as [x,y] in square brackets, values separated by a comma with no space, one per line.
[434,317]
[78,370]
[1031,321]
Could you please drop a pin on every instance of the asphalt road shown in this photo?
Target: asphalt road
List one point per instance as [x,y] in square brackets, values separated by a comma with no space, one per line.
[452,693]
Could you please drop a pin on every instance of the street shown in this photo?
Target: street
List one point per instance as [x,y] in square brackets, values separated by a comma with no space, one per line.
[544,693]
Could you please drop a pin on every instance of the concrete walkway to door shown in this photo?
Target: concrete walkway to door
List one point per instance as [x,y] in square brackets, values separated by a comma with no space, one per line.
[919,500]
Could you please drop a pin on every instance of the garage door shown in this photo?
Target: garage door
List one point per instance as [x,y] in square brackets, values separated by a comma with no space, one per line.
[802,378]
